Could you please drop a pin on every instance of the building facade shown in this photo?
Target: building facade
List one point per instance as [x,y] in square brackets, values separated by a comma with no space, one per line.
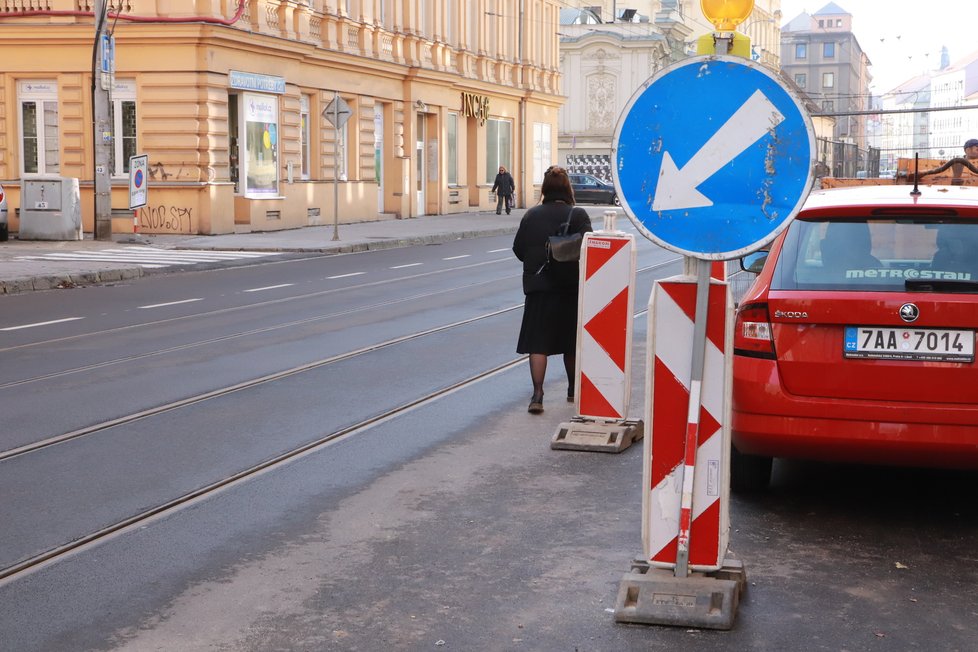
[253,113]
[608,49]
[823,57]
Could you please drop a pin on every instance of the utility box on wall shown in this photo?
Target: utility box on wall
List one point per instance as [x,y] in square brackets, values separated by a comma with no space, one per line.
[50,209]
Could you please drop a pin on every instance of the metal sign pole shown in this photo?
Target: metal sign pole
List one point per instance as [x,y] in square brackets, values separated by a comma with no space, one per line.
[686,472]
[336,166]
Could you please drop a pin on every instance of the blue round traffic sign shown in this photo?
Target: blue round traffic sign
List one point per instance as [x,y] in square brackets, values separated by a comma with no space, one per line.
[713,156]
[138,179]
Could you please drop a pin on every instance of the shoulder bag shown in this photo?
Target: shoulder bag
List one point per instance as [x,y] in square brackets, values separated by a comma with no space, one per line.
[563,247]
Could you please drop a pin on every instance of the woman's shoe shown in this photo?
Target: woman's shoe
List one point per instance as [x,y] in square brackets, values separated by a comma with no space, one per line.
[536,405]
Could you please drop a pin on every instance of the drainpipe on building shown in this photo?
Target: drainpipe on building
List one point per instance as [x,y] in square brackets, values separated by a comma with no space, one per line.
[519,57]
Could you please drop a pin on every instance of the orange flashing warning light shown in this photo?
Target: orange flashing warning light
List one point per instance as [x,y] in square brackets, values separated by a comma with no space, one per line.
[726,14]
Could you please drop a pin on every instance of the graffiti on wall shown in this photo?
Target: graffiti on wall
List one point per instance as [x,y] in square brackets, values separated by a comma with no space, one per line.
[175,219]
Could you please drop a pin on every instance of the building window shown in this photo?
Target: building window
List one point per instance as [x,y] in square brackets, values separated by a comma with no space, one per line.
[450,23]
[122,113]
[40,149]
[821,23]
[499,146]
[828,106]
[801,50]
[828,50]
[838,22]
[801,79]
[451,149]
[542,152]
[305,139]
[261,144]
[828,79]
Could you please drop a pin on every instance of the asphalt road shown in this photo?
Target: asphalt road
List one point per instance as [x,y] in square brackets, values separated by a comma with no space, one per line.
[449,525]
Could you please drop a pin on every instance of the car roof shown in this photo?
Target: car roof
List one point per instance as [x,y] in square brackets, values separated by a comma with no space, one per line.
[865,199]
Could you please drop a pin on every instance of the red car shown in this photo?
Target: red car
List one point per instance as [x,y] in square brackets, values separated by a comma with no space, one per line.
[856,342]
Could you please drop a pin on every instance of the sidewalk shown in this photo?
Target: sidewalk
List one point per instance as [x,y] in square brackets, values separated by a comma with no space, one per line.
[28,265]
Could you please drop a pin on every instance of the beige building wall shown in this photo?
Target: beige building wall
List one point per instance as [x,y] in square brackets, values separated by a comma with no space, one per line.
[429,85]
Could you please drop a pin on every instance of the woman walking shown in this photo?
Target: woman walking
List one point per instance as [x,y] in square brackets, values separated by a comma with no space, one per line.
[550,310]
[504,186]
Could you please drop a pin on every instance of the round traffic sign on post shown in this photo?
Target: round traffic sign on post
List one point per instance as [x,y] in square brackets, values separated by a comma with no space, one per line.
[712,157]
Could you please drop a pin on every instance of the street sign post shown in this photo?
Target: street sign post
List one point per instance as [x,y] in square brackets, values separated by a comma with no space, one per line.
[337,112]
[713,157]
[138,183]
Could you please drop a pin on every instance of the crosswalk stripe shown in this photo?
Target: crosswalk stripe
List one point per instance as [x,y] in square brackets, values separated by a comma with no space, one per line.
[150,257]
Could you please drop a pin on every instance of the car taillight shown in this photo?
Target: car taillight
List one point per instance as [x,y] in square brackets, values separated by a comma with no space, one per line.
[752,334]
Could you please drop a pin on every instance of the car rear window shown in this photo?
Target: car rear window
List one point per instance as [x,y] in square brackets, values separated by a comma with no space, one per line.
[879,255]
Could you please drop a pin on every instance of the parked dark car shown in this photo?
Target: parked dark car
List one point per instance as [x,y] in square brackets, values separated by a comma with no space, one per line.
[588,189]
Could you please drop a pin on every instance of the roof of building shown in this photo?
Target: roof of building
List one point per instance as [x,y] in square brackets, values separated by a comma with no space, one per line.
[831,8]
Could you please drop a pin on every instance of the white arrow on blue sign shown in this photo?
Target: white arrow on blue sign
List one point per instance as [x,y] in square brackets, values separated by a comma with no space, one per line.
[712,157]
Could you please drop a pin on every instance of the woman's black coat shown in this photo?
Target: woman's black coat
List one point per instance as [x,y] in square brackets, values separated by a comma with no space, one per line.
[529,245]
[504,183]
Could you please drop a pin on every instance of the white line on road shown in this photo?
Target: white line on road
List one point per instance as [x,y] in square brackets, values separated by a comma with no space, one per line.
[270,287]
[456,257]
[408,265]
[40,323]
[496,251]
[171,303]
[329,278]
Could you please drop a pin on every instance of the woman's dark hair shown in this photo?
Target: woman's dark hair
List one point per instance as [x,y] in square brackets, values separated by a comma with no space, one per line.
[557,186]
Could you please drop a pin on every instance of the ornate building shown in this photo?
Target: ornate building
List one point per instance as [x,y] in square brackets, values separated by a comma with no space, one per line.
[232,101]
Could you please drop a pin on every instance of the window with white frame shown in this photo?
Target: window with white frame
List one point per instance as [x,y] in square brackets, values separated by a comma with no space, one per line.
[123,115]
[542,151]
[451,149]
[499,146]
[40,150]
[305,161]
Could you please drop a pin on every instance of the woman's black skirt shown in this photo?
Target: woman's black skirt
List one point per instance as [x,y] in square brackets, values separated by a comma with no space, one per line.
[549,323]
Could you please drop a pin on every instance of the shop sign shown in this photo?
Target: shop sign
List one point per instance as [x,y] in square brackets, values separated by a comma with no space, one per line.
[475,106]
[249,81]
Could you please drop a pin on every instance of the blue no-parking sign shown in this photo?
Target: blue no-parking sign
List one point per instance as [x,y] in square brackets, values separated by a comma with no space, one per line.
[713,156]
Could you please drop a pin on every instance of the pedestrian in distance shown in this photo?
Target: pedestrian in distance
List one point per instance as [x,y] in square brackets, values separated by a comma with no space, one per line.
[971,150]
[504,186]
[549,324]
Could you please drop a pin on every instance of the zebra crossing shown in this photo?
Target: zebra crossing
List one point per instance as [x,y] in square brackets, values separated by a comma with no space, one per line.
[148,257]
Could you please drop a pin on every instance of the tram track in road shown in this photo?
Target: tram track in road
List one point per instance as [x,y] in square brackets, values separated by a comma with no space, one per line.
[36,562]
[25,566]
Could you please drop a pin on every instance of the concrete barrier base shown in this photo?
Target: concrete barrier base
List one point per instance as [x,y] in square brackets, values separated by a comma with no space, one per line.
[581,434]
[655,596]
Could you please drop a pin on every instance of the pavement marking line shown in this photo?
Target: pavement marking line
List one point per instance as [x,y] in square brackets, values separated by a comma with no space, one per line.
[403,266]
[456,257]
[171,303]
[330,278]
[40,323]
[271,287]
[496,251]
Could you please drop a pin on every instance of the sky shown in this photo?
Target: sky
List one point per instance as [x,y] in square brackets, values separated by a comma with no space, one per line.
[903,38]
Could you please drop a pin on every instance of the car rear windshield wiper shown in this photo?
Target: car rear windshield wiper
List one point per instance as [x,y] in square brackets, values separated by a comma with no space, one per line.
[930,285]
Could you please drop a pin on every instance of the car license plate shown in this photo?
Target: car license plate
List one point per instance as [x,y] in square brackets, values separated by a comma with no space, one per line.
[926,344]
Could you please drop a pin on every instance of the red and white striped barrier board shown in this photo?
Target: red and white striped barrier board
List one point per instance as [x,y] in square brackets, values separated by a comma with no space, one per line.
[604,338]
[672,309]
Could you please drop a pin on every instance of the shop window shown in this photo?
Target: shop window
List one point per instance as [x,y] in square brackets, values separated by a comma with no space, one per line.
[542,150]
[40,149]
[451,149]
[122,113]
[499,146]
[260,158]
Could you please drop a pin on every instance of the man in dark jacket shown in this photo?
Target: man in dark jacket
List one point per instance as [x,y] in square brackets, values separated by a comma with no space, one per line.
[504,187]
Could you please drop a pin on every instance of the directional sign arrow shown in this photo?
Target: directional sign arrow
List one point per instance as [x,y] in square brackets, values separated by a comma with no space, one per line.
[676,189]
